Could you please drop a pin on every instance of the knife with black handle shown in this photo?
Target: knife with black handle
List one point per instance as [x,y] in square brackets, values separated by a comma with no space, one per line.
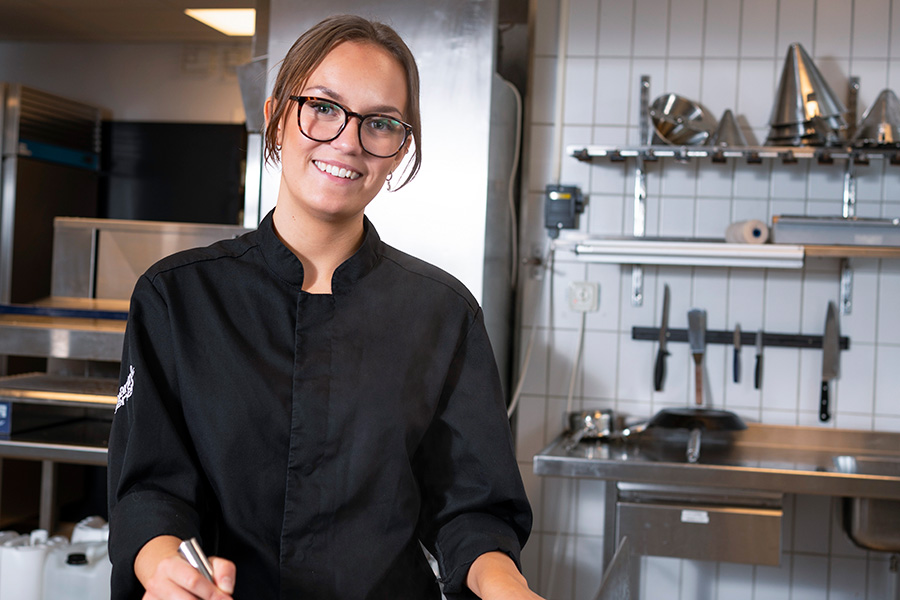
[831,359]
[757,372]
[736,366]
[659,370]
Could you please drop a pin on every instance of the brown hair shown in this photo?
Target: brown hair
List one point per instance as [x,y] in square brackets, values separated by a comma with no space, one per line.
[310,50]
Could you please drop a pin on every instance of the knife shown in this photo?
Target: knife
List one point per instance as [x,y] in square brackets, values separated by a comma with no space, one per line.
[757,373]
[697,341]
[831,358]
[737,353]
[659,371]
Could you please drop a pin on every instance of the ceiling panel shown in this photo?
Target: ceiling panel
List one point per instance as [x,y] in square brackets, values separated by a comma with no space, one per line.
[112,21]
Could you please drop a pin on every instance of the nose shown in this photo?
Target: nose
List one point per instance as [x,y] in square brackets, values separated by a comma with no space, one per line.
[348,140]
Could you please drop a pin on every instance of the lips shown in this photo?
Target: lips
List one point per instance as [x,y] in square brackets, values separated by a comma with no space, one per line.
[336,171]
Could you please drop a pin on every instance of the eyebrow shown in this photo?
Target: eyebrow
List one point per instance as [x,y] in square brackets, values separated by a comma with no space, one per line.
[384,108]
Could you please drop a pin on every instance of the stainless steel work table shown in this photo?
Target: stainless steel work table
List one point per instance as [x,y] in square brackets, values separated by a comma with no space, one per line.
[75,431]
[762,458]
[798,460]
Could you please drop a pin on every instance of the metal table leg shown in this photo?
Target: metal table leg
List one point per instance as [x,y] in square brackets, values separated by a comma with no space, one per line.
[47,511]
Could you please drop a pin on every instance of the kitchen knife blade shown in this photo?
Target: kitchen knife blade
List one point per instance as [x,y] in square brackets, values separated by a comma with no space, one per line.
[697,341]
[736,367]
[757,372]
[659,370]
[831,358]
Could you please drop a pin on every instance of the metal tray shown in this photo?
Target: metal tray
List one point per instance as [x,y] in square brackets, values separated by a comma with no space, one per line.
[856,231]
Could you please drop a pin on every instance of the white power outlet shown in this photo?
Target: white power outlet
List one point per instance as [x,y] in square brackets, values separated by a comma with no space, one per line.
[584,296]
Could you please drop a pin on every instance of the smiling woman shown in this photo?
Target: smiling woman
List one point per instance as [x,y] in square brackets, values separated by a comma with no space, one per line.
[311,404]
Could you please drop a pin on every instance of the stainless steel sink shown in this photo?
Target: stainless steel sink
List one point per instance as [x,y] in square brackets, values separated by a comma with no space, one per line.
[871,523]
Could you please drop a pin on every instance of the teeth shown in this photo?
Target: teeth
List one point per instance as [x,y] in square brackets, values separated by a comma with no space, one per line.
[336,171]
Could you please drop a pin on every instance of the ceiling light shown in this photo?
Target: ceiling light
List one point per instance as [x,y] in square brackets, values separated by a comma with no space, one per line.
[230,21]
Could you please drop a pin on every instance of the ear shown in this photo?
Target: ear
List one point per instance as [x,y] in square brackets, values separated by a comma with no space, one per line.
[398,158]
[268,111]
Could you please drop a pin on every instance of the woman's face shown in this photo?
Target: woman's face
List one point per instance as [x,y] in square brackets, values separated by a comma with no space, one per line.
[365,79]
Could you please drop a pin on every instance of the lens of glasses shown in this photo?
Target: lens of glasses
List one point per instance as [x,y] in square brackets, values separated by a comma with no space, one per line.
[322,121]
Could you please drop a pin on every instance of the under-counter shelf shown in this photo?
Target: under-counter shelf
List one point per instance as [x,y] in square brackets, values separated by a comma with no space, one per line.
[59,390]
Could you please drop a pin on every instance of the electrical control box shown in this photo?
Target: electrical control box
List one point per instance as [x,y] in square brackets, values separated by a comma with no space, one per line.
[562,206]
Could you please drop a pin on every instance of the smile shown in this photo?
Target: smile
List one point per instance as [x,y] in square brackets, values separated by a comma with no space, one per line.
[336,171]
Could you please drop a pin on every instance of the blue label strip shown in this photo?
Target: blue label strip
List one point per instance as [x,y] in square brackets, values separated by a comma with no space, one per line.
[74,313]
[59,155]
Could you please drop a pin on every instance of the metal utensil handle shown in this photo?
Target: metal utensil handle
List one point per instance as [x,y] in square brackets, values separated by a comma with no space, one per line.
[698,375]
[757,374]
[193,553]
[736,366]
[693,447]
[824,414]
[659,371]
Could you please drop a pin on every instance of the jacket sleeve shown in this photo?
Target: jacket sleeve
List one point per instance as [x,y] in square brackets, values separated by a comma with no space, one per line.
[155,486]
[473,497]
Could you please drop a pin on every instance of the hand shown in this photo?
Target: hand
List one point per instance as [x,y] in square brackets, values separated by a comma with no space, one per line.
[494,576]
[165,575]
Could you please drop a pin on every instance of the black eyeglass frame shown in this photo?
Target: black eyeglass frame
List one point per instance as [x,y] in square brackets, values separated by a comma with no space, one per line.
[301,100]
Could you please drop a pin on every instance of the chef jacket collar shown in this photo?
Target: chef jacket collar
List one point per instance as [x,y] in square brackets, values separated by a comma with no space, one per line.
[289,268]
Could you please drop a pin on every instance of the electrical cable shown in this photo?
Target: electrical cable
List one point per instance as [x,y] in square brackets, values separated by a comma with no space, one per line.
[547,265]
[511,189]
[576,364]
[561,49]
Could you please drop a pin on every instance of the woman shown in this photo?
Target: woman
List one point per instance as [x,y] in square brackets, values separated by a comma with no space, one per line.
[308,402]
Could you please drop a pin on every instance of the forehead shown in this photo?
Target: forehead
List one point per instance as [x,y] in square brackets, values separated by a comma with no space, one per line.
[361,72]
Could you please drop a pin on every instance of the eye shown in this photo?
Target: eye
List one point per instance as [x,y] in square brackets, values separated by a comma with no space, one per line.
[323,108]
[383,125]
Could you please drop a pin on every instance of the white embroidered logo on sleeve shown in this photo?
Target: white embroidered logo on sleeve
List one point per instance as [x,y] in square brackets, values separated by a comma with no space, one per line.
[126,390]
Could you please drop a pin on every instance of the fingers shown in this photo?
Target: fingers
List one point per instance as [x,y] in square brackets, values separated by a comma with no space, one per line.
[175,579]
[224,573]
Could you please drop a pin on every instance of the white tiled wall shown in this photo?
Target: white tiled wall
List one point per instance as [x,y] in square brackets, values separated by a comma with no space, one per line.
[727,54]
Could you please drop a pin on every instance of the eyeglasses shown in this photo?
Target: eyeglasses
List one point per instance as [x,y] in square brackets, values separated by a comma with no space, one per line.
[323,120]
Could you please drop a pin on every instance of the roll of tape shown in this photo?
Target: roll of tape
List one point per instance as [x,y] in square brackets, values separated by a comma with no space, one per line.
[752,231]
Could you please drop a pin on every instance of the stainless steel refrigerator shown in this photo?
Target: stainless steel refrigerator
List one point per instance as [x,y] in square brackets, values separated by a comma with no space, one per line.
[50,167]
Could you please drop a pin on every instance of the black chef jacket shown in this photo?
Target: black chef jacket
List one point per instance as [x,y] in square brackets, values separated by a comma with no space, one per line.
[314,440]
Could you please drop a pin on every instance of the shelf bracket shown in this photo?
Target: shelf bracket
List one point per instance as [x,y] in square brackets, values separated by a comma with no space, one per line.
[846,303]
[850,188]
[852,100]
[640,228]
[640,193]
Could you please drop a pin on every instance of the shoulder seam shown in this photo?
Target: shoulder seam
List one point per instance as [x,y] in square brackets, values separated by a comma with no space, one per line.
[471,303]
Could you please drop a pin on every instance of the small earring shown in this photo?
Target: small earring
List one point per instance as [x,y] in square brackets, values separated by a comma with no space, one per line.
[388,179]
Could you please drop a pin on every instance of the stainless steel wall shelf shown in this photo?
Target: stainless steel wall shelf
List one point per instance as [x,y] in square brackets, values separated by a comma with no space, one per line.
[752,154]
[711,255]
[707,253]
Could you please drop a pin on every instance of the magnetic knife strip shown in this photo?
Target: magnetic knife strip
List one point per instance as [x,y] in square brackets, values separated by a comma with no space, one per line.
[748,338]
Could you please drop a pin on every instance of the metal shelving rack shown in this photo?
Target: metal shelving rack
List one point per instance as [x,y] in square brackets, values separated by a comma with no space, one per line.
[640,250]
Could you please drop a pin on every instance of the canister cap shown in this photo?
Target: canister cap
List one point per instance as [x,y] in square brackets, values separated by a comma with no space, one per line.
[76,558]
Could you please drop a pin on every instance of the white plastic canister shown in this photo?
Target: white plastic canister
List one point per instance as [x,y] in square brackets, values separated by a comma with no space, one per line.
[79,571]
[22,565]
[90,529]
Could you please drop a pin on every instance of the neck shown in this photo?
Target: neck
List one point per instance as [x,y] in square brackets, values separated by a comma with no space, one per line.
[321,246]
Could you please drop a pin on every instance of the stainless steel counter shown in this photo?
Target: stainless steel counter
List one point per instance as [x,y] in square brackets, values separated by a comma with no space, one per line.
[736,486]
[785,459]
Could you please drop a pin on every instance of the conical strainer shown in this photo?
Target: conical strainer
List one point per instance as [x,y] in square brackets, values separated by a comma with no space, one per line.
[727,133]
[803,93]
[806,110]
[880,124]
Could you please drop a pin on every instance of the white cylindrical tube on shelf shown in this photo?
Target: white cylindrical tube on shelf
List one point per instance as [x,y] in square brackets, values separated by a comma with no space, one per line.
[752,231]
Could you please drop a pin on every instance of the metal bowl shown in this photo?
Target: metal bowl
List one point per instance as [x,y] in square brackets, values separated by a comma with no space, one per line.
[681,122]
